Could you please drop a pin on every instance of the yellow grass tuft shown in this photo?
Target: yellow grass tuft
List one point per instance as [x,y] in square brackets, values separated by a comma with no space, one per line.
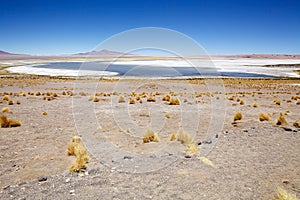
[172,137]
[10,102]
[8,123]
[281,120]
[6,110]
[121,99]
[6,98]
[237,116]
[75,148]
[207,161]
[96,99]
[131,101]
[242,102]
[150,136]
[277,102]
[22,94]
[18,102]
[192,149]
[284,195]
[254,105]
[297,124]
[151,99]
[174,101]
[166,98]
[167,115]
[264,117]
[184,137]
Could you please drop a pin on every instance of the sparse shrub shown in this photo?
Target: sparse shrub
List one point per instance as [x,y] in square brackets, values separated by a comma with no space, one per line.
[298,103]
[55,94]
[281,120]
[237,116]
[174,101]
[192,149]
[45,113]
[295,98]
[288,101]
[150,136]
[18,102]
[37,94]
[6,110]
[22,94]
[64,93]
[184,137]
[121,99]
[263,117]
[75,148]
[10,102]
[8,123]
[242,102]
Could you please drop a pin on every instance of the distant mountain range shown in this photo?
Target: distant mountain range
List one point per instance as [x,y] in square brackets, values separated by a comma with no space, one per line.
[107,54]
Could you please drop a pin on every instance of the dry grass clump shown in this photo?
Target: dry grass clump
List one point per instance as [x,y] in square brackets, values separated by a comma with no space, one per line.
[22,94]
[38,94]
[96,99]
[288,101]
[131,101]
[6,98]
[10,102]
[237,116]
[298,103]
[18,102]
[6,110]
[242,102]
[75,148]
[167,115]
[254,105]
[173,137]
[284,195]
[264,117]
[281,120]
[151,99]
[174,101]
[121,99]
[295,98]
[150,136]
[64,93]
[166,98]
[277,102]
[188,141]
[297,124]
[8,123]
[45,113]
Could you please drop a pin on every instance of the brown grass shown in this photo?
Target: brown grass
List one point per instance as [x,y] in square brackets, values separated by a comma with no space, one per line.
[131,101]
[174,101]
[237,116]
[8,123]
[6,98]
[150,136]
[121,99]
[242,102]
[281,120]
[45,113]
[18,102]
[151,99]
[166,98]
[10,102]
[22,94]
[264,117]
[6,110]
[75,148]
[96,99]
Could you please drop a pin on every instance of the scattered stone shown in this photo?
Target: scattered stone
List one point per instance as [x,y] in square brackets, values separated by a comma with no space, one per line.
[127,157]
[188,156]
[72,191]
[68,180]
[217,136]
[207,142]
[287,129]
[42,178]
[6,187]
[93,171]
[245,130]
[199,143]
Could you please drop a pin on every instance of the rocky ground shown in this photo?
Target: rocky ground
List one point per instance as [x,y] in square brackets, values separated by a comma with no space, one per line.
[249,159]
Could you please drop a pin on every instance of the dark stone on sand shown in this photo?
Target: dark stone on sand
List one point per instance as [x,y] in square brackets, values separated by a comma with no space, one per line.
[287,129]
[42,178]
[127,157]
[199,143]
[207,142]
[187,156]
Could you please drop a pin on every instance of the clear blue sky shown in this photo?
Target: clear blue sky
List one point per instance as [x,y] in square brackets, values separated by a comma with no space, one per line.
[220,26]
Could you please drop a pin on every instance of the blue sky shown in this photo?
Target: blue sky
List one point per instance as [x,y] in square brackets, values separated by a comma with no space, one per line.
[220,26]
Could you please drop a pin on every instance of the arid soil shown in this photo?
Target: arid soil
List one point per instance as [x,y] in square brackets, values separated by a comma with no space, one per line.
[245,159]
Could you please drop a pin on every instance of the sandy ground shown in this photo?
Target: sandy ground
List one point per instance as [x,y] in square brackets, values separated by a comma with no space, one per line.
[250,159]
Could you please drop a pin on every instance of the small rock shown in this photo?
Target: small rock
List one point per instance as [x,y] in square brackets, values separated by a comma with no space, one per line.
[245,130]
[217,135]
[42,178]
[187,156]
[68,180]
[127,157]
[287,129]
[86,173]
[72,191]
[199,143]
[207,142]
[93,171]
[6,187]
